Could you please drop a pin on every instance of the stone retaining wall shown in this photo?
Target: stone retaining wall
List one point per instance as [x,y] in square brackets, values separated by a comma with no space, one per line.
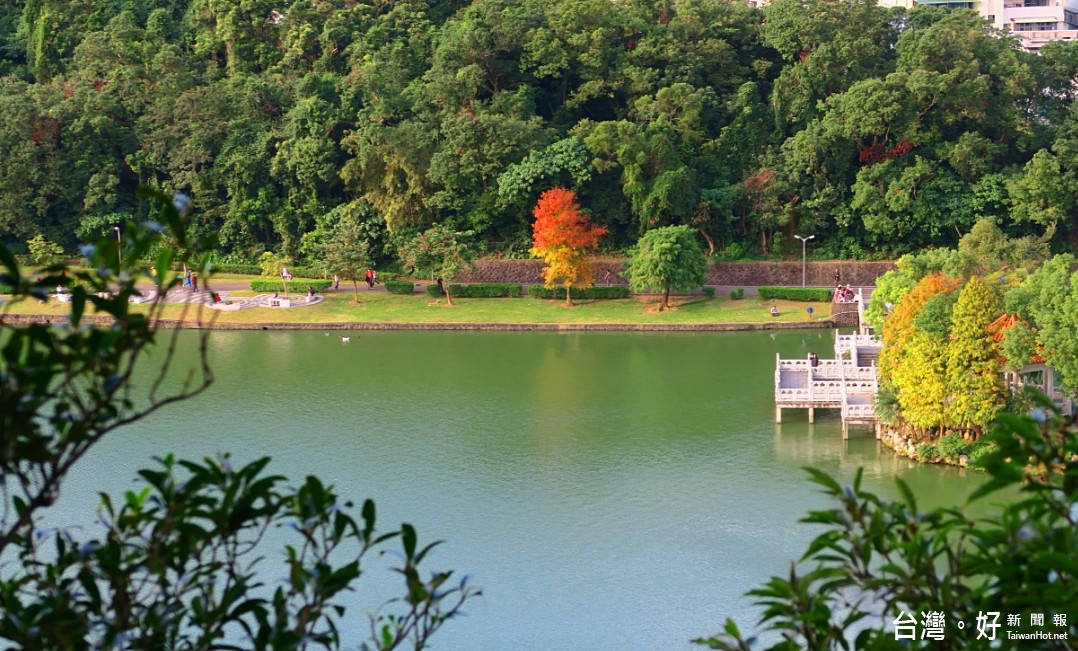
[844,315]
[738,274]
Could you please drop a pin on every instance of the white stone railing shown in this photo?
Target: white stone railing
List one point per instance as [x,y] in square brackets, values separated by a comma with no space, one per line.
[861,328]
[793,395]
[809,396]
[844,369]
[845,342]
[829,369]
[819,392]
[862,386]
[859,412]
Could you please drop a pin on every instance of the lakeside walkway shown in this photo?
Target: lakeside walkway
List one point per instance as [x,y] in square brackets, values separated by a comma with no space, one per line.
[211,324]
[271,319]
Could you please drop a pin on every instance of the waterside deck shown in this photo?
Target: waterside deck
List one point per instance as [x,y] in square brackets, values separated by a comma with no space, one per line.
[848,382]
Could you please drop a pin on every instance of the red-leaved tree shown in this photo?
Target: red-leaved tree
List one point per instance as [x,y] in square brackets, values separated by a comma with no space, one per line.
[562,236]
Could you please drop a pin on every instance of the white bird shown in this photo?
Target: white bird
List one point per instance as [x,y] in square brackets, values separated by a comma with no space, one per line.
[346,339]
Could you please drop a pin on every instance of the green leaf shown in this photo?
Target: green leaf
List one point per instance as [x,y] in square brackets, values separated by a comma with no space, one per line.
[408,540]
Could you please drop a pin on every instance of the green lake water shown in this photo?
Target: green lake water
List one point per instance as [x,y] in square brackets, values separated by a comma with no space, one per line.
[605,490]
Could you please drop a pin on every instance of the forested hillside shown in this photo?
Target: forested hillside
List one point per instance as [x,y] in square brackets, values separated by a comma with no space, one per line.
[879,131]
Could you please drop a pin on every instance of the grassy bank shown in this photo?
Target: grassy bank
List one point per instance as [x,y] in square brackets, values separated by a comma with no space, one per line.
[381,307]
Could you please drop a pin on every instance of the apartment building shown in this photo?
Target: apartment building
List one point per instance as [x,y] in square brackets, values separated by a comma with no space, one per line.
[1035,22]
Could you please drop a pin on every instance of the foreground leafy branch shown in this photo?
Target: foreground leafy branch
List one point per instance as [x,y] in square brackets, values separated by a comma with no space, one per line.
[877,560]
[182,561]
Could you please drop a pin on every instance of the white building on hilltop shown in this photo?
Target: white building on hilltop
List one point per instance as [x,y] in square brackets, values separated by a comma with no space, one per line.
[1035,22]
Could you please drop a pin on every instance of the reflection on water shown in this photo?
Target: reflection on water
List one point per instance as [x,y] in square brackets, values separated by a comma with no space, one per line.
[607,490]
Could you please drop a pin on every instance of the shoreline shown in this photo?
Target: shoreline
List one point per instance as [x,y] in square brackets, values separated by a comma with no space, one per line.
[50,319]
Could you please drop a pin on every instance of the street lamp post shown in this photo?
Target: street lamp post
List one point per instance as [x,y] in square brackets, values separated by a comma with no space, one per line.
[803,241]
[119,252]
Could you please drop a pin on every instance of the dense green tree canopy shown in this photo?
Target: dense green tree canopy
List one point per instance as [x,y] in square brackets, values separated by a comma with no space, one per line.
[667,258]
[878,129]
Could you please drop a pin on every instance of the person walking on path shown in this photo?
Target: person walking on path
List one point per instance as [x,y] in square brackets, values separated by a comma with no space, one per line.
[336,282]
[370,279]
[194,282]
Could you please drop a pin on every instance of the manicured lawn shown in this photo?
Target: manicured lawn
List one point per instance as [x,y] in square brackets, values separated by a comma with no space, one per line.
[381,307]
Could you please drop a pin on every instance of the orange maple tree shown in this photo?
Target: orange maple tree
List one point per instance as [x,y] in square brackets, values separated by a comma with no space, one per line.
[899,327]
[562,236]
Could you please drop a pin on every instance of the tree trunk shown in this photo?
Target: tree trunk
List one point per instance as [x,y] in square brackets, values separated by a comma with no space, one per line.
[568,296]
[710,243]
[666,299]
[355,289]
[448,298]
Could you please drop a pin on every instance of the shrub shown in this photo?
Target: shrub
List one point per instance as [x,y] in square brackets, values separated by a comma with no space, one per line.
[256,270]
[296,285]
[736,294]
[979,451]
[733,251]
[952,446]
[819,294]
[610,292]
[308,272]
[928,452]
[480,290]
[43,251]
[399,287]
[485,290]
[709,292]
[237,268]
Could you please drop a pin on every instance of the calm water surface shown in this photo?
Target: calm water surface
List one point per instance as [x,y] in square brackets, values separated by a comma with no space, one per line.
[605,490]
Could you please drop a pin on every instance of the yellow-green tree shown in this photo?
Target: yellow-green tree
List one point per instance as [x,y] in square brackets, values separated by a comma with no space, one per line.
[921,381]
[973,377]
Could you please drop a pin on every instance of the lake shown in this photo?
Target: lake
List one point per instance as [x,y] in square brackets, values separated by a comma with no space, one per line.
[605,490]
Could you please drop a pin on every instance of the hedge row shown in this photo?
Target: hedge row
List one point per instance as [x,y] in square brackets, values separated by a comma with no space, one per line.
[249,269]
[399,287]
[612,291]
[296,285]
[817,294]
[478,290]
[255,270]
[308,272]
